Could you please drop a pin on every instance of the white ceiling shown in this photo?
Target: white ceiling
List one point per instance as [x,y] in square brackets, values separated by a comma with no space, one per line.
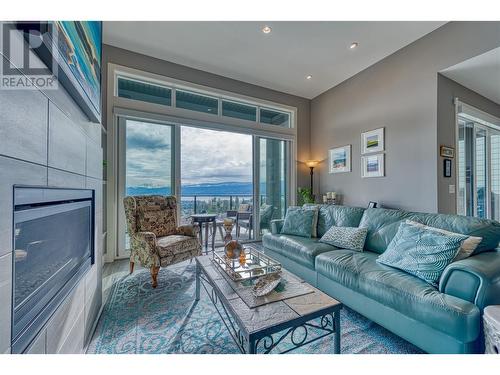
[480,74]
[280,60]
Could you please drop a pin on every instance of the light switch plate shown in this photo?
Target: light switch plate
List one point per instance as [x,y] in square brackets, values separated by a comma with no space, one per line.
[451,189]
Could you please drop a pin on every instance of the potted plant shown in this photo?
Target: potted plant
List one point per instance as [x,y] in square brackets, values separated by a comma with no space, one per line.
[305,196]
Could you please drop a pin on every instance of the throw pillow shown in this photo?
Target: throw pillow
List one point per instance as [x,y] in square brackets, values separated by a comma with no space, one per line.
[315,208]
[421,252]
[298,222]
[466,248]
[346,237]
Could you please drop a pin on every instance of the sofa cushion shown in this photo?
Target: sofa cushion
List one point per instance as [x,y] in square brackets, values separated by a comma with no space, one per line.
[176,244]
[401,291]
[299,222]
[339,216]
[383,224]
[299,249]
[421,252]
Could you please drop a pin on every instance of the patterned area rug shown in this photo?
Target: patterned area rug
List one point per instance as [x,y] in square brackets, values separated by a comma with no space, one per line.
[139,319]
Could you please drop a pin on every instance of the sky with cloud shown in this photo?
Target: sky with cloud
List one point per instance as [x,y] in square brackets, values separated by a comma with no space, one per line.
[207,156]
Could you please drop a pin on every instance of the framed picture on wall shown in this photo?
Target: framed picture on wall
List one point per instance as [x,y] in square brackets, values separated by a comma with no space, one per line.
[447,167]
[372,141]
[447,152]
[372,166]
[339,159]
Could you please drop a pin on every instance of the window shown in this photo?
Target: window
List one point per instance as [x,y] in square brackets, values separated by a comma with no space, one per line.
[268,116]
[172,94]
[146,92]
[238,110]
[478,164]
[196,102]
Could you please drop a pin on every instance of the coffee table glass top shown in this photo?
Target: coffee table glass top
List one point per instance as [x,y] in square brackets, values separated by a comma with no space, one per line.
[255,264]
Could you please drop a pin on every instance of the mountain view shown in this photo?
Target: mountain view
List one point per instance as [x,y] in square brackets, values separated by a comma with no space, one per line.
[203,189]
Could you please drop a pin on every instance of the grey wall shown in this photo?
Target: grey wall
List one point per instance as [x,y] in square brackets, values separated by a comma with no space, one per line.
[400,94]
[46,140]
[157,66]
[448,90]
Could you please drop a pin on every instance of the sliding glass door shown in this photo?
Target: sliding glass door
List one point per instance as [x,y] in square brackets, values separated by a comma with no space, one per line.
[242,176]
[478,166]
[272,181]
[146,164]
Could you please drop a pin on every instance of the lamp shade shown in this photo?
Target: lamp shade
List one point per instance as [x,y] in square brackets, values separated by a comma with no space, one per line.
[312,163]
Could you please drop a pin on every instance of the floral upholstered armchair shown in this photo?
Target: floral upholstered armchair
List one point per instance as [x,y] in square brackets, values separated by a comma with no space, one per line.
[155,238]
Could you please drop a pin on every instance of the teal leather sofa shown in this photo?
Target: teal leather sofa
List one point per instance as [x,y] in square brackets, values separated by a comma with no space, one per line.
[446,319]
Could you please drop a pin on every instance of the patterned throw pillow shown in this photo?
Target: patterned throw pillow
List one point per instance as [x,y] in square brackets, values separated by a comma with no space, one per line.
[298,222]
[421,252]
[466,248]
[346,237]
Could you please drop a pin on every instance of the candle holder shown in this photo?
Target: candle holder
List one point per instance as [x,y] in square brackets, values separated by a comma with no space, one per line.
[228,227]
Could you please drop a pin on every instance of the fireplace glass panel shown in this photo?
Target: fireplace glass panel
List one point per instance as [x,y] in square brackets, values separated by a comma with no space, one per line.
[48,248]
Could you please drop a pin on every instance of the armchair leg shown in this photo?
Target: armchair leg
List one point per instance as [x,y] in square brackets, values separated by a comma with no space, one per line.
[131,267]
[154,276]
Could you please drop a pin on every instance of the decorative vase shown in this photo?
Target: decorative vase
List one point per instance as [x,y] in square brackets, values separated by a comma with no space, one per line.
[228,227]
[233,249]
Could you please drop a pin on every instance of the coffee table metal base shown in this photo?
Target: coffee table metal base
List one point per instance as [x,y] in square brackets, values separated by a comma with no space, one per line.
[300,331]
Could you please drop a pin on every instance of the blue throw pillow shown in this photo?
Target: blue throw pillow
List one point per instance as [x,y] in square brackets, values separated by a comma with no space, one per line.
[299,222]
[421,252]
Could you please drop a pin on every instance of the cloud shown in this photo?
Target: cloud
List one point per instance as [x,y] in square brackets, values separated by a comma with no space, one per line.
[207,156]
[211,156]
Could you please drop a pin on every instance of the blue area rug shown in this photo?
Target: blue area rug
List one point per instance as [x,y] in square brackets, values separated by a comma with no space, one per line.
[142,320]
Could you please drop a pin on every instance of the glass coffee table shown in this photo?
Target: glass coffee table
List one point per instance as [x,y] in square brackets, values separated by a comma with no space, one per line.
[292,316]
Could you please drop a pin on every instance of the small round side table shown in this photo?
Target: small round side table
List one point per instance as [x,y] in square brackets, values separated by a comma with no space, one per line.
[491,319]
[206,219]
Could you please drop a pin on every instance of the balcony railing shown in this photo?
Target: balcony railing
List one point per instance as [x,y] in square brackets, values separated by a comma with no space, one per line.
[217,204]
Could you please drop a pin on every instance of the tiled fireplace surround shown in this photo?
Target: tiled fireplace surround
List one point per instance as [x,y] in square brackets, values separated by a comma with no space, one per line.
[45,139]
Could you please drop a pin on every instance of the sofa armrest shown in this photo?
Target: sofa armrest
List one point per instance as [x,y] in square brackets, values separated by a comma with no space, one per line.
[475,279]
[188,230]
[276,226]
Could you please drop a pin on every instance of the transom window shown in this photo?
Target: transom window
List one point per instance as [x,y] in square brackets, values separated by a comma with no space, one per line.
[143,90]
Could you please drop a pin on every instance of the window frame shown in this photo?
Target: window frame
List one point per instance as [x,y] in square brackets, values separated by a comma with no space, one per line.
[489,124]
[221,95]
[147,83]
[117,107]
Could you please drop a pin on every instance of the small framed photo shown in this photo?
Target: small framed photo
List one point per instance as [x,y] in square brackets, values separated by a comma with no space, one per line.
[372,141]
[372,166]
[447,152]
[339,159]
[447,167]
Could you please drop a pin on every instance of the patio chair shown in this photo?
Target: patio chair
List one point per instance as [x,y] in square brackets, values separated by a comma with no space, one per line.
[155,239]
[245,220]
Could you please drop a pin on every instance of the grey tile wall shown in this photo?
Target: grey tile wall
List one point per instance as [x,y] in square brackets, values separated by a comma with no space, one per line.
[59,178]
[67,143]
[14,172]
[45,139]
[23,130]
[6,298]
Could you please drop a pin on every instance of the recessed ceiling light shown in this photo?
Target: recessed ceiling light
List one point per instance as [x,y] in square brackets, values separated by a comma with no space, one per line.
[353,45]
[266,29]
[309,77]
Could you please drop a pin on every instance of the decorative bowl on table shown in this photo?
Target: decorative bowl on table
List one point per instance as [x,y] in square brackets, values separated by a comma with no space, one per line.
[266,284]
[233,249]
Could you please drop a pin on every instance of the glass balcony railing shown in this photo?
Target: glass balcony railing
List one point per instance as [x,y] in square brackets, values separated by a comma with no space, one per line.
[212,204]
